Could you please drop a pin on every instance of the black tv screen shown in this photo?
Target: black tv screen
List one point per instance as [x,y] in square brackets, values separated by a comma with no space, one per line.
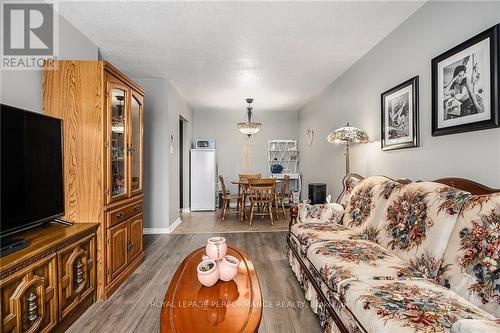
[32,189]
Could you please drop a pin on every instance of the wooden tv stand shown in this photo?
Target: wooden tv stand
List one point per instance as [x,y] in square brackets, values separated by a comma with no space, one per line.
[49,284]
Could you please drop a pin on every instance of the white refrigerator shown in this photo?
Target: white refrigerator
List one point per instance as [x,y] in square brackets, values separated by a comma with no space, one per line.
[203,179]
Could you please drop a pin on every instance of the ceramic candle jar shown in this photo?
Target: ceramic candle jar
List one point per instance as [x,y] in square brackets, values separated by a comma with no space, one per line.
[228,268]
[208,273]
[216,248]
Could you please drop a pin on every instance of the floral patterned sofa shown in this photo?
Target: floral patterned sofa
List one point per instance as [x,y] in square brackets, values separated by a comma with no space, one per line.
[401,256]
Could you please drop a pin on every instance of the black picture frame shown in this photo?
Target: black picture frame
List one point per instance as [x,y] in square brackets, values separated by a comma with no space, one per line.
[414,140]
[493,34]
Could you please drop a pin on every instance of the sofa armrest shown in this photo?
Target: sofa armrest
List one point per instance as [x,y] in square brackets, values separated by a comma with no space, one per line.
[321,213]
[294,213]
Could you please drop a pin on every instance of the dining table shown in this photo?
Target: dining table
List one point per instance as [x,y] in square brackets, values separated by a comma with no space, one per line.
[244,184]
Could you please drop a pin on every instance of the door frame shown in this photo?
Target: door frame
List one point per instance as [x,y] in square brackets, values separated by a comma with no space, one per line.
[181,163]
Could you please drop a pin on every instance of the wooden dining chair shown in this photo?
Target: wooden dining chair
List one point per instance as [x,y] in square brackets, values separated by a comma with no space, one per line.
[250,175]
[281,196]
[227,197]
[243,189]
[262,193]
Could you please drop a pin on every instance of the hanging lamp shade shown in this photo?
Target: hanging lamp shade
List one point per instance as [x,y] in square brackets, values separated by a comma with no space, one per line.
[348,134]
[249,128]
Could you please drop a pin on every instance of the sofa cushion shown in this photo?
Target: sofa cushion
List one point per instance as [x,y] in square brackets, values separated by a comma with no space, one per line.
[320,213]
[406,306]
[418,219]
[366,204]
[472,259]
[341,259]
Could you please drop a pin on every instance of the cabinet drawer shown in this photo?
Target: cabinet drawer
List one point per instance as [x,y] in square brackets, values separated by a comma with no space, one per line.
[123,213]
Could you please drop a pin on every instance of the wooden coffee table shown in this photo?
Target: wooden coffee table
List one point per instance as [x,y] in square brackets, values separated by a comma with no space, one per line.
[234,306]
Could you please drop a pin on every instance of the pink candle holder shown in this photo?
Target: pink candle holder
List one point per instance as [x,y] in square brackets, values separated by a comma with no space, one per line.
[228,268]
[216,248]
[208,273]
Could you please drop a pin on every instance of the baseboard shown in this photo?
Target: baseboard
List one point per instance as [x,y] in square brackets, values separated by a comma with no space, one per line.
[174,225]
[170,229]
[186,210]
[154,231]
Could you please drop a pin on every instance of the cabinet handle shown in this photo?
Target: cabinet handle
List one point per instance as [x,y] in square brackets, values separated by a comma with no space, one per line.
[120,215]
[137,208]
[32,308]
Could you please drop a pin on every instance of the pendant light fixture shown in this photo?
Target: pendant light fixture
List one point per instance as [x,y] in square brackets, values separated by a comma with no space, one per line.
[248,128]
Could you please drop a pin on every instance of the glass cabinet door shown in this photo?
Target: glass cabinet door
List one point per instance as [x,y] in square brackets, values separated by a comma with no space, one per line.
[117,145]
[135,146]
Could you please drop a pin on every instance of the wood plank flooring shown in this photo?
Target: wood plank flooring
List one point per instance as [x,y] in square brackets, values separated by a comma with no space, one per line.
[211,222]
[135,306]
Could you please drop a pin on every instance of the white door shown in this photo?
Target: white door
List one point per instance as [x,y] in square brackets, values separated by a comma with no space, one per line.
[203,179]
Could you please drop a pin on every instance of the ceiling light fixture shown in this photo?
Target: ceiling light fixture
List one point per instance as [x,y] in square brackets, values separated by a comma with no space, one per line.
[248,128]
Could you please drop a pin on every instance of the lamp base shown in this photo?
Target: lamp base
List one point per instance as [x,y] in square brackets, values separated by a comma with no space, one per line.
[347,164]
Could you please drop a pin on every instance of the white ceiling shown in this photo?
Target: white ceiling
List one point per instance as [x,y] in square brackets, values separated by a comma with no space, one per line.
[219,53]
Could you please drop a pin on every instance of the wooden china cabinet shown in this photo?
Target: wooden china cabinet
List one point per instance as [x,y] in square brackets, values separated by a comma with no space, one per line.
[103,160]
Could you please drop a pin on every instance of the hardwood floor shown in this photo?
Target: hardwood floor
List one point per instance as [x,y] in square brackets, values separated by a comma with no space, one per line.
[135,307]
[210,222]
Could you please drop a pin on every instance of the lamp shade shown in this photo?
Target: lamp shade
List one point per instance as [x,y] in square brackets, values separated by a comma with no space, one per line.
[249,128]
[348,134]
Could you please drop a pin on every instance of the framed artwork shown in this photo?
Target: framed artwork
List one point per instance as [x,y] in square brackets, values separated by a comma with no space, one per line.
[400,126]
[465,85]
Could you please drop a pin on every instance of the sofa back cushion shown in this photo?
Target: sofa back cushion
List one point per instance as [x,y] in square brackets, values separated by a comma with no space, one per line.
[366,204]
[472,260]
[419,218]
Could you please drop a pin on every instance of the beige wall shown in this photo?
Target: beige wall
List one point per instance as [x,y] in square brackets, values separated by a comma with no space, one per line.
[162,107]
[355,97]
[177,106]
[221,126]
[156,156]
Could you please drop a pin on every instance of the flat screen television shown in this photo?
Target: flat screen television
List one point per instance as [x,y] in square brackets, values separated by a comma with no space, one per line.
[32,190]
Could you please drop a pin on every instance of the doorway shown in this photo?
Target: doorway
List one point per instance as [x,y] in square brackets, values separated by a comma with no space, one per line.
[181,163]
